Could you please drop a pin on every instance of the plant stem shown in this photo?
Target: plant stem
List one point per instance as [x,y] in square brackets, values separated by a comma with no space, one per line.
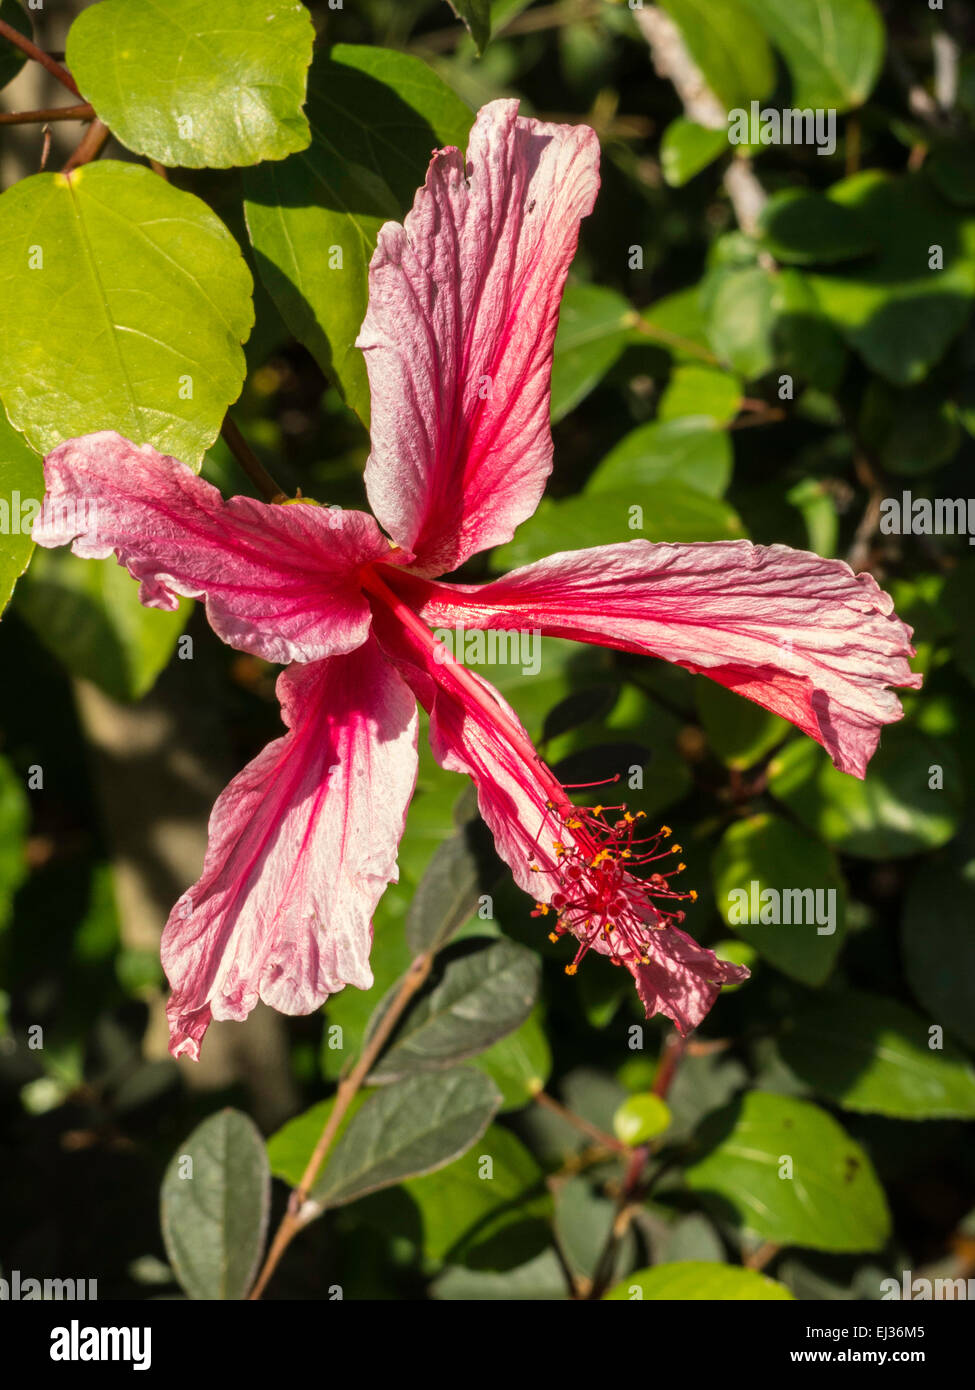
[250,463]
[609,1141]
[8,32]
[84,112]
[297,1215]
[631,1191]
[89,146]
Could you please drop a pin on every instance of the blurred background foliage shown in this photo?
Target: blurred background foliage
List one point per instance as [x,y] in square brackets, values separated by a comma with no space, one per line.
[756,341]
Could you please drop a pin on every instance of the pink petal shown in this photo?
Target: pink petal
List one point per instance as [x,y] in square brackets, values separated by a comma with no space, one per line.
[803,636]
[280,581]
[302,845]
[682,979]
[480,734]
[463,305]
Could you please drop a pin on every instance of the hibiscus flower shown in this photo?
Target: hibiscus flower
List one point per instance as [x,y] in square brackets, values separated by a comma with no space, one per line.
[463,304]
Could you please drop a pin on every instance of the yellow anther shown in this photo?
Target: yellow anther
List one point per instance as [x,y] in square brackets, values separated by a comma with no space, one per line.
[574,824]
[680,868]
[692,895]
[626,854]
[542,908]
[571,969]
[553,937]
[603,854]
[665,831]
[644,960]
[675,849]
[629,817]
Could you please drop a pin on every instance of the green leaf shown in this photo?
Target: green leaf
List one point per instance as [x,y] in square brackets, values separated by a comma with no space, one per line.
[542,1278]
[690,452]
[872,1054]
[151,300]
[583,1218]
[215,1199]
[476,15]
[193,85]
[415,1126]
[88,615]
[21,484]
[698,1279]
[14,822]
[738,306]
[668,513]
[676,322]
[952,171]
[832,1200]
[728,46]
[290,1147]
[805,343]
[488,1208]
[938,939]
[738,730]
[640,1119]
[375,115]
[475,999]
[447,895]
[11,57]
[594,327]
[911,431]
[694,391]
[896,311]
[833,48]
[893,811]
[686,148]
[758,869]
[520,1064]
[801,227]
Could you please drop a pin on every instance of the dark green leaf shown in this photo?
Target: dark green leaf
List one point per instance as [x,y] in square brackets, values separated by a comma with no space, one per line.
[834,48]
[806,228]
[476,15]
[872,1054]
[894,810]
[766,866]
[215,1199]
[412,1127]
[11,57]
[594,325]
[686,148]
[690,452]
[375,116]
[790,1174]
[477,998]
[728,46]
[88,615]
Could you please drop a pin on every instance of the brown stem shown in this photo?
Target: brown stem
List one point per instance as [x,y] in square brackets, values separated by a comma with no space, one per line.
[631,1191]
[84,112]
[250,463]
[297,1216]
[90,145]
[570,1117]
[8,32]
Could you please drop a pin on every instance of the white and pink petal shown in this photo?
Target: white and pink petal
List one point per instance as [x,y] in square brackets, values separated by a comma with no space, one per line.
[302,844]
[279,581]
[463,306]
